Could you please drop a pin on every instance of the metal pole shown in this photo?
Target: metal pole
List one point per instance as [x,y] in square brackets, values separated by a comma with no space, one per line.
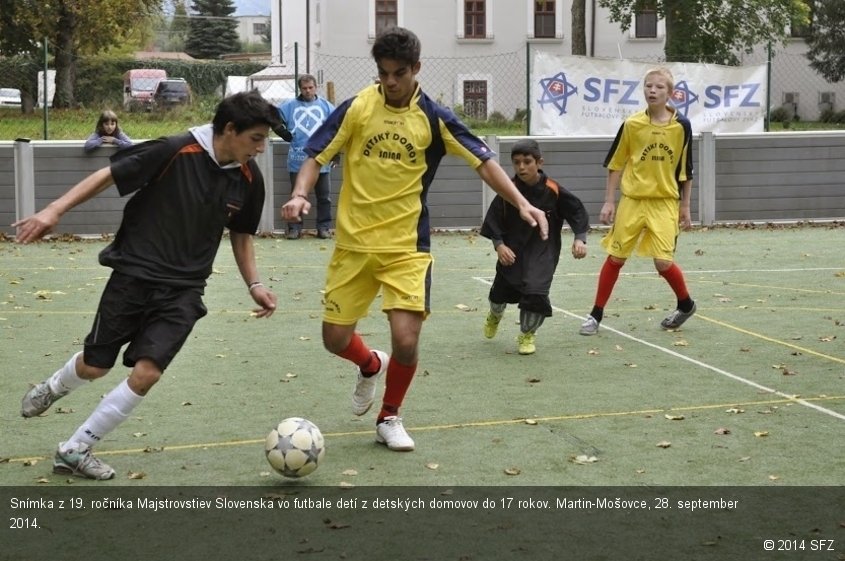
[296,67]
[46,95]
[528,88]
[768,86]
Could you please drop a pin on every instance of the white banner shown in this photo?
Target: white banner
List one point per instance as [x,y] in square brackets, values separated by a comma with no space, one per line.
[580,96]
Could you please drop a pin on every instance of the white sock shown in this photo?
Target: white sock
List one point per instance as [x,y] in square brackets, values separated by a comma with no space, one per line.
[111,411]
[65,378]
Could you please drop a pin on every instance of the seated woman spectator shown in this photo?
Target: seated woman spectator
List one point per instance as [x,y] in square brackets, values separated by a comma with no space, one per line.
[107,132]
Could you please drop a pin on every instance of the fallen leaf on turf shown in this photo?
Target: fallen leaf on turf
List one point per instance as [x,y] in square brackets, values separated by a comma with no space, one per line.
[139,434]
[137,475]
[346,485]
[533,380]
[350,472]
[220,356]
[722,430]
[674,417]
[186,403]
[463,307]
[336,525]
[664,444]
[774,477]
[583,459]
[513,471]
[64,410]
[761,433]
[618,347]
[291,375]
[680,343]
[432,465]
[530,422]
[735,410]
[304,338]
[44,480]
[744,459]
[592,352]
[650,307]
[827,338]
[30,463]
[264,474]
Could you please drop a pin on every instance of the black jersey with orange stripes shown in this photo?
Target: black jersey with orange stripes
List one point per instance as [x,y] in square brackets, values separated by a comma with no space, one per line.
[536,259]
[183,200]
[656,158]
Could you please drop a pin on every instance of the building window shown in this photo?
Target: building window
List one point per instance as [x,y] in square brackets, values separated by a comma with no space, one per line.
[259,28]
[475,19]
[387,13]
[544,19]
[475,99]
[645,23]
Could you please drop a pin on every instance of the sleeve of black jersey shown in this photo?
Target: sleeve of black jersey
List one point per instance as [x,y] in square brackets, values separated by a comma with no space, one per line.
[571,209]
[493,226]
[246,221]
[136,166]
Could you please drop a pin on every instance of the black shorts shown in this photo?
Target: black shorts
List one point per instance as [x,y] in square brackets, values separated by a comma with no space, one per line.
[503,292]
[154,319]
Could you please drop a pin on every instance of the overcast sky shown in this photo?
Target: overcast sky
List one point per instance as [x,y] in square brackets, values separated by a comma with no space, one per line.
[252,7]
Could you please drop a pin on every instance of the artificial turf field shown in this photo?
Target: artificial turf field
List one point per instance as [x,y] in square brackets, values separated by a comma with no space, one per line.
[749,393]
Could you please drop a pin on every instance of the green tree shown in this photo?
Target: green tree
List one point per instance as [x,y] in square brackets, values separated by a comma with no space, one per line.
[179,27]
[827,39]
[714,31]
[213,32]
[73,29]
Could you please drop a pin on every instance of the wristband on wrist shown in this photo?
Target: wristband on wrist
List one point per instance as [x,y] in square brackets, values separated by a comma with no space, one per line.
[254,284]
[300,196]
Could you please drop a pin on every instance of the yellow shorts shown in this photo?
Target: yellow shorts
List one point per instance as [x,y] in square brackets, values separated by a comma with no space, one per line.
[649,225]
[353,280]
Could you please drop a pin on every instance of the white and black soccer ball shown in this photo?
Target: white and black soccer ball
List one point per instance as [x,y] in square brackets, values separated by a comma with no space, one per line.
[295,447]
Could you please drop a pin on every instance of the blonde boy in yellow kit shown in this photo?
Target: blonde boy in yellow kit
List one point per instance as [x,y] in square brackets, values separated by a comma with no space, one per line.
[651,158]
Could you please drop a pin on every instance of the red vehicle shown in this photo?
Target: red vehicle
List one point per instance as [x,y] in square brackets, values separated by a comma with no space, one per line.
[139,85]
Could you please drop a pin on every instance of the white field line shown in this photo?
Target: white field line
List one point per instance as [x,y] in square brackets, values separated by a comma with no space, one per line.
[704,365]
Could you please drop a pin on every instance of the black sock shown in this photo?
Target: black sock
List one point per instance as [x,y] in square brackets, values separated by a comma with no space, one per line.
[597,313]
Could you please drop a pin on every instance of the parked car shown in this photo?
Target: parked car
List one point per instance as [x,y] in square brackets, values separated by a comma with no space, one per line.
[139,84]
[10,97]
[171,92]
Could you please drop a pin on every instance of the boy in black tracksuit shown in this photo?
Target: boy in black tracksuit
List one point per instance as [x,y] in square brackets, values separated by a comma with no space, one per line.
[526,264]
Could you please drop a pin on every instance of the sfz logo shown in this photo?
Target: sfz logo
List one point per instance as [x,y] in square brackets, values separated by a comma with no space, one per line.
[557,90]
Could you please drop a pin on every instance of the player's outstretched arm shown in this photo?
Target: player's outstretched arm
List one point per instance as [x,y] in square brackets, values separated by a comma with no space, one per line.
[40,224]
[298,204]
[244,253]
[493,174]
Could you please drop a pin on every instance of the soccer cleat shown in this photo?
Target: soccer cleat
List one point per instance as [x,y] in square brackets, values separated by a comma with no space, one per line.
[293,233]
[365,386]
[392,434]
[491,325]
[324,233]
[589,327]
[526,343]
[79,461]
[38,399]
[677,318]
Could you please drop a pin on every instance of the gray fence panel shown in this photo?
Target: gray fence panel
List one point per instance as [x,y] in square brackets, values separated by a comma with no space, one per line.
[759,177]
[7,187]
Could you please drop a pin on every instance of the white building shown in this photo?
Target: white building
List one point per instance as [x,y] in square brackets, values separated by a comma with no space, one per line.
[252,29]
[475,52]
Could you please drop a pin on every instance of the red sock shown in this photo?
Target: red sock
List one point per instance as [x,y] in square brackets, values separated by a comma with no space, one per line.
[675,277]
[358,352]
[398,381]
[607,280]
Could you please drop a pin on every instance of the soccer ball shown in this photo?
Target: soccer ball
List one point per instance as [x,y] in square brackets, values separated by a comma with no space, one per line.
[295,447]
